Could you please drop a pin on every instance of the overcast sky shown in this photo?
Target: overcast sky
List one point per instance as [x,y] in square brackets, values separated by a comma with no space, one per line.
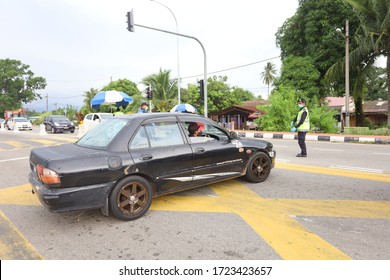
[81,44]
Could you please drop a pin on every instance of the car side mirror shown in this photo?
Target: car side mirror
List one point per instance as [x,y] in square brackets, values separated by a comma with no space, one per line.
[233,135]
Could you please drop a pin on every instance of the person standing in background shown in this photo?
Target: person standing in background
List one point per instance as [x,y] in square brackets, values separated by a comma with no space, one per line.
[302,124]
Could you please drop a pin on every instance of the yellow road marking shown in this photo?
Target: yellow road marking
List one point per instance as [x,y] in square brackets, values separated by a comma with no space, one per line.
[272,219]
[335,172]
[18,195]
[16,144]
[13,245]
[45,142]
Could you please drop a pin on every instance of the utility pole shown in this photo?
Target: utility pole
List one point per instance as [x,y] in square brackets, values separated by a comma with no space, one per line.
[47,103]
[347,122]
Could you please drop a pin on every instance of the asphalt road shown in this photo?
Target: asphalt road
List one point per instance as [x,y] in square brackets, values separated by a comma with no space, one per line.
[334,204]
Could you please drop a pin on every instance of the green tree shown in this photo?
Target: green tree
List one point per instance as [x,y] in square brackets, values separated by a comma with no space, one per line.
[69,111]
[220,95]
[374,18]
[88,95]
[301,74]
[268,75]
[18,84]
[164,90]
[311,32]
[377,84]
[282,109]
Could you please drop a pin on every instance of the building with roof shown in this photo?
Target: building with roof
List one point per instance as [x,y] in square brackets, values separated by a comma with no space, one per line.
[240,116]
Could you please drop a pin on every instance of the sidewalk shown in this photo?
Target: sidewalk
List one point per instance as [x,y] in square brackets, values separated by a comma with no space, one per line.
[375,139]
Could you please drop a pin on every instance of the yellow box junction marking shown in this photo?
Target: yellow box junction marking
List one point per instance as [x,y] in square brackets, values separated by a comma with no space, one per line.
[13,245]
[272,219]
[335,172]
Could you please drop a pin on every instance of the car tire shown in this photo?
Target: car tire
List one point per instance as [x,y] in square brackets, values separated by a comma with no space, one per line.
[259,168]
[131,198]
[53,130]
[72,131]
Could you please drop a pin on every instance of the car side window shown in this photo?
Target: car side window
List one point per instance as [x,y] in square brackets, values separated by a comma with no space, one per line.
[88,117]
[140,140]
[157,135]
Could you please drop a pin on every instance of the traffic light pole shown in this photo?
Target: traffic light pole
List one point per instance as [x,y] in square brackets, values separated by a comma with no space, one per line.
[131,22]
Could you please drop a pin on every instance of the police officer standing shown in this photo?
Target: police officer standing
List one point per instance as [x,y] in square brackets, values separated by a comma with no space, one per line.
[302,124]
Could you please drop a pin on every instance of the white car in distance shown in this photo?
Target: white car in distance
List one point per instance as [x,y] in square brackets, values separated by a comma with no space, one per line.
[19,123]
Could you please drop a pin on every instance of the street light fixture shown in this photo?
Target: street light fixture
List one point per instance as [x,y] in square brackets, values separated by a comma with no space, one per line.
[177,46]
[346,37]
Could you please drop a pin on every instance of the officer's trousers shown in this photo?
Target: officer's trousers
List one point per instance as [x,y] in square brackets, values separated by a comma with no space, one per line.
[301,142]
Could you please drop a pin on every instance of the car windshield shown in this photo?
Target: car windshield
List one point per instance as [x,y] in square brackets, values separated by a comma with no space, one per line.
[106,116]
[60,119]
[21,120]
[101,135]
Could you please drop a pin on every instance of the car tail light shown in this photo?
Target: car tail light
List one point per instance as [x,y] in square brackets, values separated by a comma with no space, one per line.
[47,175]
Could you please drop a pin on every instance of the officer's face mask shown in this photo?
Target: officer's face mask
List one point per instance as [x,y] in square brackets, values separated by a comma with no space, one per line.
[300,106]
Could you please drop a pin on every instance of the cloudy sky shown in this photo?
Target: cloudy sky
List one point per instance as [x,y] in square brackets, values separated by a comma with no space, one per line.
[82,44]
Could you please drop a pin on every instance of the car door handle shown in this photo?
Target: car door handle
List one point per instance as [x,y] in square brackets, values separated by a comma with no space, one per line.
[199,150]
[146,157]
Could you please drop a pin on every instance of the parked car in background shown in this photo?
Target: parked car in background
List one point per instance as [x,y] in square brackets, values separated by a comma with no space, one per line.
[19,123]
[58,123]
[121,164]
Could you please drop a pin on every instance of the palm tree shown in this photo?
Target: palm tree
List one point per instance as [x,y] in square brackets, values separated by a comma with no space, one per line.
[268,75]
[375,27]
[88,95]
[164,90]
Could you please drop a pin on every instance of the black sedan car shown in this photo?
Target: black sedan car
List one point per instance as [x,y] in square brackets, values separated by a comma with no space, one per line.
[122,163]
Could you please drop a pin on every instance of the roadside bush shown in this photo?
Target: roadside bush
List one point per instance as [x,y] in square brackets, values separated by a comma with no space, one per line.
[282,109]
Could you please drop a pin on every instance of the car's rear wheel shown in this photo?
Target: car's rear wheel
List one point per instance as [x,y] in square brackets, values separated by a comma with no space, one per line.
[259,168]
[131,198]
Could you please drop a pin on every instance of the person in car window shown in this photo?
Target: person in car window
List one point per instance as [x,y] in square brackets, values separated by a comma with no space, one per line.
[194,129]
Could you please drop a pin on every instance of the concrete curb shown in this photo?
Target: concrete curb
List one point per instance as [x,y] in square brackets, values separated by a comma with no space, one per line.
[318,137]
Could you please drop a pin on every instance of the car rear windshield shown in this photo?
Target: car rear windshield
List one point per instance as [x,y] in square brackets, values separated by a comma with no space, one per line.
[101,135]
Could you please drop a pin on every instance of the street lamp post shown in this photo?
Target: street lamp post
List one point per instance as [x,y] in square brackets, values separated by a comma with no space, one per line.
[346,37]
[177,46]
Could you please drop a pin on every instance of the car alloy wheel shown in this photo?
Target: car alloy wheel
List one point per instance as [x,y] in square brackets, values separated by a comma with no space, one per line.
[53,130]
[259,167]
[131,198]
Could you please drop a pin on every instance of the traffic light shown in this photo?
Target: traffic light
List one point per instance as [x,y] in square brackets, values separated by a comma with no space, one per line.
[201,88]
[149,93]
[130,21]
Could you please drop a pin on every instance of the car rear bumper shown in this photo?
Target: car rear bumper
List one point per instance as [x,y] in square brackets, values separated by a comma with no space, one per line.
[70,199]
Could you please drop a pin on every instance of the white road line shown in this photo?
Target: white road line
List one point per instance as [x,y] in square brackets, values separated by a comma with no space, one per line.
[282,160]
[328,150]
[11,159]
[370,170]
[382,154]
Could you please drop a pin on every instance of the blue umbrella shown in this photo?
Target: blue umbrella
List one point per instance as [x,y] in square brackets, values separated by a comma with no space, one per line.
[110,97]
[184,108]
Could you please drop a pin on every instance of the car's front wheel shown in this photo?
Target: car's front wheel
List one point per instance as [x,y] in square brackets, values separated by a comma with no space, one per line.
[259,167]
[53,130]
[131,198]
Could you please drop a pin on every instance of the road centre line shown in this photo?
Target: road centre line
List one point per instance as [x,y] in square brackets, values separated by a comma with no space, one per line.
[12,159]
[371,170]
